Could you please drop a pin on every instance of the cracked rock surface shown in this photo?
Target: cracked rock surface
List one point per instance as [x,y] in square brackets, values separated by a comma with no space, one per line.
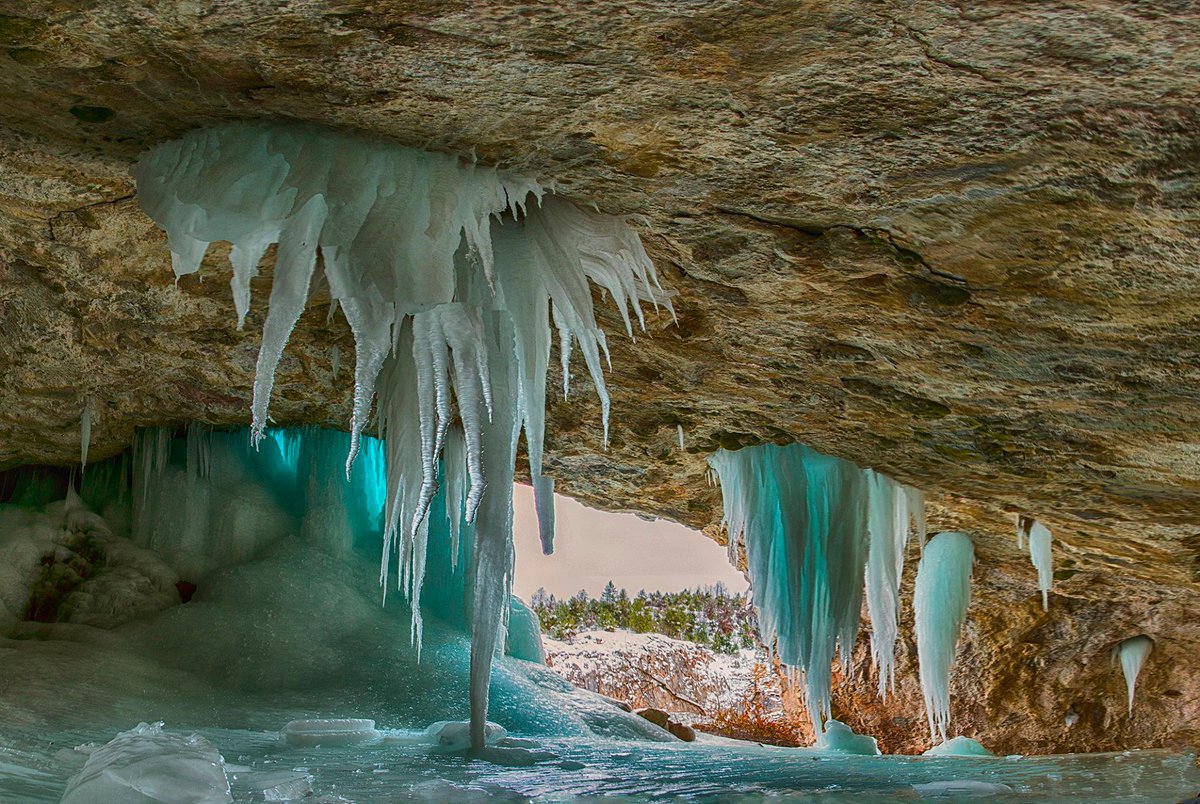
[956,241]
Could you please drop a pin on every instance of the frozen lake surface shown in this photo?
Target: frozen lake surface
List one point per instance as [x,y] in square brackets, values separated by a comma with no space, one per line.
[260,766]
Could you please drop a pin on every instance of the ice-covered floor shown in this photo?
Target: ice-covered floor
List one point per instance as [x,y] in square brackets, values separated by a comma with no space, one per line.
[35,768]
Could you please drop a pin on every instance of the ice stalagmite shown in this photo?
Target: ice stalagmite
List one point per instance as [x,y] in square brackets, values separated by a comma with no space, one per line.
[449,275]
[1132,654]
[1040,554]
[808,522]
[943,592]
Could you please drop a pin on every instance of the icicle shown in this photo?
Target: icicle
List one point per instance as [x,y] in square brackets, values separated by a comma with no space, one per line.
[1038,536]
[1132,654]
[85,431]
[297,257]
[679,432]
[1023,525]
[456,487]
[199,448]
[543,497]
[943,592]
[888,518]
[335,361]
[1043,560]
[245,258]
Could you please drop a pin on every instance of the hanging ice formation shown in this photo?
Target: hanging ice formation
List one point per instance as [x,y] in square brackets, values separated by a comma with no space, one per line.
[1038,537]
[814,528]
[1132,654]
[943,592]
[890,508]
[85,431]
[448,275]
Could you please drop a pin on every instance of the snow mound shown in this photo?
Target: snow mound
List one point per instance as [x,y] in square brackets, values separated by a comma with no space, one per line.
[455,735]
[959,747]
[838,738]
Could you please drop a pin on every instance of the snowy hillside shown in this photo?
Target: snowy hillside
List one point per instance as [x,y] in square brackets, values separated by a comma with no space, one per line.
[717,692]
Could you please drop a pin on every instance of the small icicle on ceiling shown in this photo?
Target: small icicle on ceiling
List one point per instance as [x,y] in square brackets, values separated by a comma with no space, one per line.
[815,529]
[1039,539]
[449,275]
[1132,654]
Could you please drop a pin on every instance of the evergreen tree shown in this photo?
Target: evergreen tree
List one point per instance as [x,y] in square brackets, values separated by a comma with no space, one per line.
[709,616]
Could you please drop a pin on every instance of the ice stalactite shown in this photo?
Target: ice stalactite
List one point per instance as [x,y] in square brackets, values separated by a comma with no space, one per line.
[86,418]
[1038,537]
[811,524]
[943,592]
[1132,654]
[890,508]
[449,275]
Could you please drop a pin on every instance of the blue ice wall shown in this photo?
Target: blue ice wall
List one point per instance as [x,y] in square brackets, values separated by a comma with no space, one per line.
[208,499]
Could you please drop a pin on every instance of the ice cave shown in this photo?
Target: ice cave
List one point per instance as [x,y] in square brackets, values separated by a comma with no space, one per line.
[302,306]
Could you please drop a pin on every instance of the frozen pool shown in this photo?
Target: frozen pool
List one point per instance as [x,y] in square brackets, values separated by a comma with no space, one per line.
[260,766]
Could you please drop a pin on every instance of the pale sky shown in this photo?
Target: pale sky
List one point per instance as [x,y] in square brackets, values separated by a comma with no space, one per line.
[591,547]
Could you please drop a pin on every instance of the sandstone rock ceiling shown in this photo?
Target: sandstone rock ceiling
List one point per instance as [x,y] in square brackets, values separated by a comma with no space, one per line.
[956,241]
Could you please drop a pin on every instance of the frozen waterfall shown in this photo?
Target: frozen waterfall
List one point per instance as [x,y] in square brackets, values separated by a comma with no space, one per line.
[449,275]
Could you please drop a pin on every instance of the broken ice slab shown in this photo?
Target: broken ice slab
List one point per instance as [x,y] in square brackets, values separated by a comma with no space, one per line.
[149,764]
[343,731]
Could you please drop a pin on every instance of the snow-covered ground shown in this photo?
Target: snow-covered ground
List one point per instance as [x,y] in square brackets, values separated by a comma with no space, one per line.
[680,677]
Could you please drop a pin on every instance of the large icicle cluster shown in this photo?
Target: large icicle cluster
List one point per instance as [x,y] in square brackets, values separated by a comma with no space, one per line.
[1040,555]
[943,592]
[814,527]
[448,274]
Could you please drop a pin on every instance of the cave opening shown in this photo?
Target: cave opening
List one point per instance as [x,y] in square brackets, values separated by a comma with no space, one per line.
[225,580]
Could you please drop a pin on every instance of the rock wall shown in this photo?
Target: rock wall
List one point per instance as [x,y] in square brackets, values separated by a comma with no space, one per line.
[955,241]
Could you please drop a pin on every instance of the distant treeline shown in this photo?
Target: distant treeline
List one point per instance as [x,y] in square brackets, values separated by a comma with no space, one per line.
[708,616]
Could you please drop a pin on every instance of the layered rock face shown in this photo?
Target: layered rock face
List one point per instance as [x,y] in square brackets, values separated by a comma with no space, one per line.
[953,241]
